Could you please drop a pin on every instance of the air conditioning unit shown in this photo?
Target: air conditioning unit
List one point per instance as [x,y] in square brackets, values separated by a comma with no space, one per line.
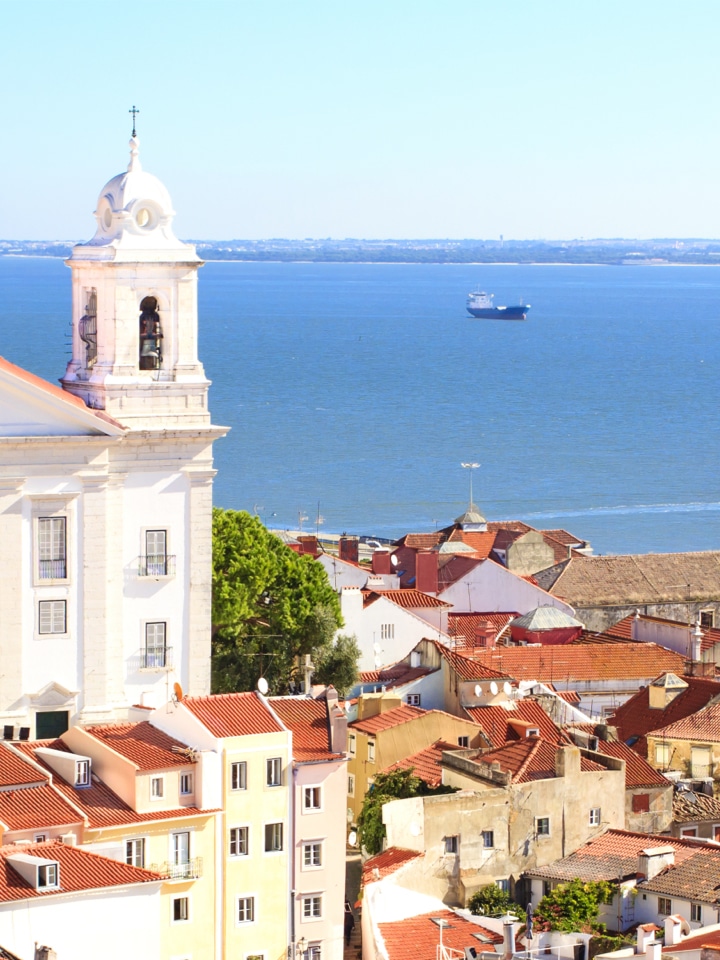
[69,839]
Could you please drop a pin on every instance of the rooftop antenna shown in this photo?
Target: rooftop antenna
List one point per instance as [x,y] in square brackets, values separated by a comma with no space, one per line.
[470,467]
[134,111]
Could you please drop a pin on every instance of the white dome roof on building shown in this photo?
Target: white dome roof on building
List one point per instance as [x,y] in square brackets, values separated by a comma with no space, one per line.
[545,618]
[134,216]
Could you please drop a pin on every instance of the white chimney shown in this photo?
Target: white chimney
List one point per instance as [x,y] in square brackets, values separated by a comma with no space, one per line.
[645,935]
[509,928]
[673,930]
[653,950]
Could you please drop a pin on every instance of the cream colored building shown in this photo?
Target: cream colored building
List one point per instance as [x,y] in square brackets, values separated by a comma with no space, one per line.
[106,484]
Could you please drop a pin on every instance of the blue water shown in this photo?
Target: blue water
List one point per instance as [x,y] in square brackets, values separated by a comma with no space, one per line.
[362,387]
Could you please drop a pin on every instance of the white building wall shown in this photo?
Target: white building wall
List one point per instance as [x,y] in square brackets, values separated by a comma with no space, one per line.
[488,587]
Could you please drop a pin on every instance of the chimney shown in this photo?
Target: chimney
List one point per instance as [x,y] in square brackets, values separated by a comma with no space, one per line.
[645,935]
[567,761]
[309,544]
[509,928]
[337,722]
[381,562]
[673,930]
[426,571]
[696,644]
[484,634]
[653,950]
[653,860]
[349,549]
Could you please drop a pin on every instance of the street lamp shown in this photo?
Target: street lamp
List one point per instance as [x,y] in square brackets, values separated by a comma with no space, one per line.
[470,467]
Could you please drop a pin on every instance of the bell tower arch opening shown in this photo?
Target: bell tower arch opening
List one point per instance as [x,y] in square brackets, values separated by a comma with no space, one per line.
[151,335]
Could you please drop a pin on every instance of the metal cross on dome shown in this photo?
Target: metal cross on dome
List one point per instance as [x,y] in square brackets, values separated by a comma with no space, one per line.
[134,111]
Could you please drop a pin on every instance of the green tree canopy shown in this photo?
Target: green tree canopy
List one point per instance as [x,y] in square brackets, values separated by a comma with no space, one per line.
[338,664]
[270,607]
[574,906]
[492,901]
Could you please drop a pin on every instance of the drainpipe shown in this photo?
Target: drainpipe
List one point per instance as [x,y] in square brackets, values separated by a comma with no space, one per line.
[291,847]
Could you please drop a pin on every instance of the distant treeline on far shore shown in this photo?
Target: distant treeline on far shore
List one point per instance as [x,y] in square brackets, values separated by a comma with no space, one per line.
[688,251]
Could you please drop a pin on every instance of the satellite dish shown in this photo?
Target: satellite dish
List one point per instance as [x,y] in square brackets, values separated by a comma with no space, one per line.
[478,690]
[494,688]
[262,686]
[394,560]
[352,838]
[178,691]
[507,689]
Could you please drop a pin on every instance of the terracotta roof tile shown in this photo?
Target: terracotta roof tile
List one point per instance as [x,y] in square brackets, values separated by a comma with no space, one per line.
[409,598]
[530,759]
[694,878]
[635,718]
[691,807]
[141,743]
[623,629]
[416,938]
[308,721]
[697,942]
[394,676]
[425,763]
[33,808]
[421,541]
[233,714]
[516,526]
[465,627]
[14,771]
[391,718]
[562,536]
[503,723]
[703,725]
[468,668]
[386,863]
[482,542]
[79,870]
[638,772]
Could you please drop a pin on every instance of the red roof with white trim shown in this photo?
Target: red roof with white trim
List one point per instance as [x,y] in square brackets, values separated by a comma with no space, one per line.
[308,720]
[141,743]
[233,714]
[417,938]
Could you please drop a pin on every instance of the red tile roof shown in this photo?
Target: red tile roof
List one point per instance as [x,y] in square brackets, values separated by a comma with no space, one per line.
[695,878]
[408,598]
[635,718]
[15,771]
[394,676]
[233,714]
[638,772]
[703,725]
[421,541]
[530,759]
[386,863]
[691,807]
[425,763]
[501,724]
[464,627]
[417,938]
[308,721]
[391,718]
[468,668]
[697,942]
[141,743]
[482,542]
[79,870]
[33,808]
[623,629]
[574,662]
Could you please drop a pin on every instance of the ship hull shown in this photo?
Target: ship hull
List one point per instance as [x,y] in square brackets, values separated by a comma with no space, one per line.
[499,313]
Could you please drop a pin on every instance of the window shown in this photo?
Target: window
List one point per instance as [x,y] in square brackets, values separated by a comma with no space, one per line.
[688,832]
[180,909]
[451,844]
[245,909]
[413,699]
[315,951]
[547,888]
[387,631]
[40,838]
[238,775]
[52,616]
[371,751]
[700,762]
[312,854]
[135,852]
[273,772]
[155,649]
[48,875]
[664,906]
[488,838]
[52,548]
[239,841]
[641,803]
[463,741]
[696,912]
[157,788]
[662,754]
[503,885]
[351,744]
[351,785]
[595,817]
[542,826]
[82,773]
[181,848]
[186,784]
[707,618]
[156,559]
[312,907]
[273,837]
[312,798]
[150,333]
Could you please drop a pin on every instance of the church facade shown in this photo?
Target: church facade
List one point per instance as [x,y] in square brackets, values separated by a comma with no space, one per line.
[106,485]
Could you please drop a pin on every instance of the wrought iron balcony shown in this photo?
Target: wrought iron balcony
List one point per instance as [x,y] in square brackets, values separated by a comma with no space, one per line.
[156,565]
[189,870]
[52,569]
[153,659]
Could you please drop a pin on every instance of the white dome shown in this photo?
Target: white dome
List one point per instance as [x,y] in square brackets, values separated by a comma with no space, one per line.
[134,219]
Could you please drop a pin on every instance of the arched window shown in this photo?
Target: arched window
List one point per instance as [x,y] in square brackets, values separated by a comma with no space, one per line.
[150,335]
[87,328]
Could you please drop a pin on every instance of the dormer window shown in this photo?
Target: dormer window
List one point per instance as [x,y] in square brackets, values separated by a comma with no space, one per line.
[48,876]
[82,773]
[150,335]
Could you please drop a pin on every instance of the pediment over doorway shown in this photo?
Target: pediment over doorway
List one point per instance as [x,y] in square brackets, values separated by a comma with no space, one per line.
[52,695]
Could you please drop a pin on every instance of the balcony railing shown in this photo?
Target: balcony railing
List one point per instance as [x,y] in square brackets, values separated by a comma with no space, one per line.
[156,565]
[189,870]
[52,569]
[152,659]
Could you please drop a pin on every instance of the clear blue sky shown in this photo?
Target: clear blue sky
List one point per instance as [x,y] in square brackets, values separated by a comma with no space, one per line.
[370,118]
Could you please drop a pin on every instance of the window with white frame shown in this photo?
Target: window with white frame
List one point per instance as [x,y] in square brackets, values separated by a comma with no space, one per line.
[696,912]
[451,844]
[413,699]
[155,645]
[488,838]
[52,548]
[157,788]
[186,784]
[664,906]
[312,854]
[156,558]
[273,768]
[52,616]
[662,754]
[707,618]
[542,826]
[504,885]
[40,838]
[463,741]
[315,951]
[595,816]
[180,909]
[239,838]
[351,744]
[312,798]
[48,875]
[181,848]
[82,773]
[245,912]
[387,631]
[273,837]
[238,775]
[371,751]
[312,907]
[351,785]
[135,852]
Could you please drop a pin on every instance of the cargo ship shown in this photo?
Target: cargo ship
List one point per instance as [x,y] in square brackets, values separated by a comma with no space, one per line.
[480,305]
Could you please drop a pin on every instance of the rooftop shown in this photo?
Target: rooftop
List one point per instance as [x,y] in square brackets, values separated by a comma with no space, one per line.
[425,763]
[142,744]
[417,938]
[510,721]
[530,759]
[308,720]
[386,863]
[233,714]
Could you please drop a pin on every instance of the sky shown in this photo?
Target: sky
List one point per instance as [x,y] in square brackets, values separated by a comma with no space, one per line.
[367,118]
